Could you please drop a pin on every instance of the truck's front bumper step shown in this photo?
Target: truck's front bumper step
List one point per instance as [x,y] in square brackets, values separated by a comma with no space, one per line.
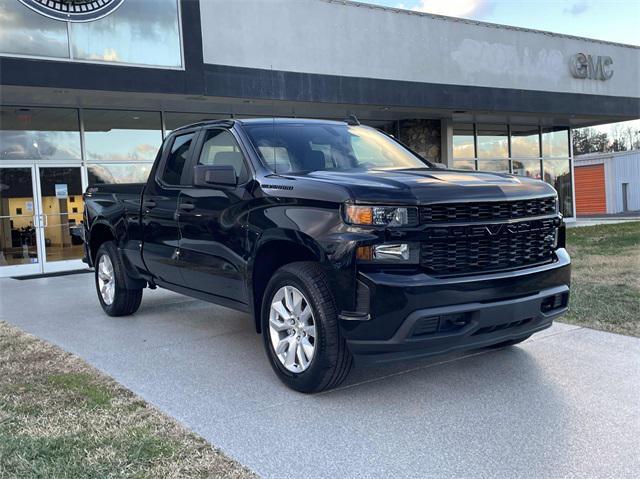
[432,331]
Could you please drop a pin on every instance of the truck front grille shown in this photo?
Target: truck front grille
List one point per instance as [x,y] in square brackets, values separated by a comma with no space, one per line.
[479,248]
[487,211]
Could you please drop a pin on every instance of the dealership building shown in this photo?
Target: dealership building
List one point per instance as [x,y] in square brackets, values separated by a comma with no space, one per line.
[89,88]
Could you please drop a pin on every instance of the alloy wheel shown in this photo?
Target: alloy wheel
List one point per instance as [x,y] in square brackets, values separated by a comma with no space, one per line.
[106,279]
[292,329]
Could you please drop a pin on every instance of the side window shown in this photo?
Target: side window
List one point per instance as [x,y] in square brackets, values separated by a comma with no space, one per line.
[221,149]
[177,158]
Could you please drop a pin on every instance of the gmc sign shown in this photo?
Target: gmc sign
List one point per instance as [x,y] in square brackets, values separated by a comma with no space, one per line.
[585,66]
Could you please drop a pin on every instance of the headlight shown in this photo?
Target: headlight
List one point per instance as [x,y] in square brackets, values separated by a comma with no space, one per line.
[391,216]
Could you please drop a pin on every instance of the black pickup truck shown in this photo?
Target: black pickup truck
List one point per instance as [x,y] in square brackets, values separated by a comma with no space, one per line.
[340,241]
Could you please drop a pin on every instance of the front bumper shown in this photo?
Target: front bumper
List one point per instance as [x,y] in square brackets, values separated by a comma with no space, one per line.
[417,315]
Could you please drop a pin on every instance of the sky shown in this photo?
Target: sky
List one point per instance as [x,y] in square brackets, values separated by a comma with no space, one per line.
[611,20]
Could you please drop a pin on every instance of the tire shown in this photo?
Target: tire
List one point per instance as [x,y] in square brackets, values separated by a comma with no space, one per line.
[115,298]
[330,362]
[511,342]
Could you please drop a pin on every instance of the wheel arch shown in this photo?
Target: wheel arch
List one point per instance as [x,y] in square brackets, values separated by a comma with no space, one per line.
[274,250]
[100,233]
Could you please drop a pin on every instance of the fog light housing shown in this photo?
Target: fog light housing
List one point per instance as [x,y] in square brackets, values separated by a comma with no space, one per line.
[393,252]
[399,253]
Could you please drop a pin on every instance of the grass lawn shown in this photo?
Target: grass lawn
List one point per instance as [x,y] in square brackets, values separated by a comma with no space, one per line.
[605,277]
[60,418]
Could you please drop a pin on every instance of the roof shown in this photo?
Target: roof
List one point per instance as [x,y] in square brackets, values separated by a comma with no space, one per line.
[269,121]
[353,3]
[599,158]
[258,121]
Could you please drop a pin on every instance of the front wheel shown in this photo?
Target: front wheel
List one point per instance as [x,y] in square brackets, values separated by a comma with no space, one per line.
[115,298]
[300,329]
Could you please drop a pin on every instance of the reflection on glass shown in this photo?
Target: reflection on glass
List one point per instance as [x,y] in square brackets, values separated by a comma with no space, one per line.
[464,164]
[117,173]
[525,142]
[388,127]
[142,31]
[25,32]
[463,141]
[558,174]
[39,133]
[17,221]
[499,166]
[530,168]
[112,135]
[62,207]
[555,142]
[176,120]
[493,141]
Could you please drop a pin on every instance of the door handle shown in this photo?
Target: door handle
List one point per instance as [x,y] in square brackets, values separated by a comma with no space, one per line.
[187,206]
[149,204]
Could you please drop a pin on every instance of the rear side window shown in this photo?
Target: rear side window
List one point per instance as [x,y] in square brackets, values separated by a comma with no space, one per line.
[221,149]
[177,158]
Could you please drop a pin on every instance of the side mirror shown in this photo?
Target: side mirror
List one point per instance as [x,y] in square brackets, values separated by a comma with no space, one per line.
[208,175]
[441,165]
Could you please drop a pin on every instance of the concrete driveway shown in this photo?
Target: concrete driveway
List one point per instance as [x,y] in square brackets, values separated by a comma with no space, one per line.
[565,403]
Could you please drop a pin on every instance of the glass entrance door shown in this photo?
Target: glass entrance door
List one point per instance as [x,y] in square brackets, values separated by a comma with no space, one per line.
[19,221]
[60,206]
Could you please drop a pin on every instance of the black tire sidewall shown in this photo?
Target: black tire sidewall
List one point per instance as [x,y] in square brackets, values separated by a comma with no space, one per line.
[123,302]
[321,360]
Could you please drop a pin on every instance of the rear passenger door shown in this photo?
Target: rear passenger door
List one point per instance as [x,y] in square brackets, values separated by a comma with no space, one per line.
[213,238]
[161,234]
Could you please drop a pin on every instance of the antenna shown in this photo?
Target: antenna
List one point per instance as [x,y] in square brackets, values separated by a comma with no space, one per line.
[352,120]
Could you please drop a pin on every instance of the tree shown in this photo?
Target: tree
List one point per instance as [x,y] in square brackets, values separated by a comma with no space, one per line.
[589,140]
[617,145]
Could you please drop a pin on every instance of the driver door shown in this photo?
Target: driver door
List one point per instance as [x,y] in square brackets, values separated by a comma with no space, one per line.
[213,240]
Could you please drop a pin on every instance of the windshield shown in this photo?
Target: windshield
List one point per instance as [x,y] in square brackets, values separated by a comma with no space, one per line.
[298,148]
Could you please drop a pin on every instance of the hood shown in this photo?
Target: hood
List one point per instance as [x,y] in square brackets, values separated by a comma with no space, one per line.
[424,186]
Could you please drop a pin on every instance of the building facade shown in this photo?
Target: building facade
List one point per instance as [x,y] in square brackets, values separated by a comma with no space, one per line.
[607,183]
[90,88]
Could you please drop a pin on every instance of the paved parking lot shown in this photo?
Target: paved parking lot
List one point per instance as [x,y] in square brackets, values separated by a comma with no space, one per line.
[565,403]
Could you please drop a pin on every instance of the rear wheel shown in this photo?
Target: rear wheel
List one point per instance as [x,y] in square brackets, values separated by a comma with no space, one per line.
[115,298]
[300,329]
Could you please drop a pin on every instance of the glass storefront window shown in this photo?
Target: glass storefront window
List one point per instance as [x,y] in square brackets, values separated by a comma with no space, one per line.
[25,32]
[116,173]
[555,143]
[500,166]
[464,164]
[114,135]
[463,141]
[173,120]
[39,133]
[530,168]
[525,142]
[558,174]
[493,141]
[62,210]
[144,32]
[17,218]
